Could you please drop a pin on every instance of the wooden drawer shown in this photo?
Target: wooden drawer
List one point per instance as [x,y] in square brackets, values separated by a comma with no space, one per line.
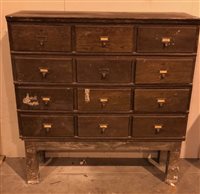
[162,100]
[104,99]
[40,37]
[104,38]
[44,98]
[167,39]
[104,70]
[46,125]
[164,70]
[159,126]
[101,126]
[42,69]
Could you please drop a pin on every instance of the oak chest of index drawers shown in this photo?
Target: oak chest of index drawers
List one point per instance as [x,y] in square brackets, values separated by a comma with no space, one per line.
[102,81]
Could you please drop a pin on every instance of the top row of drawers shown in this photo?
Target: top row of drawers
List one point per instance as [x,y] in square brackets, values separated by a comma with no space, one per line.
[48,37]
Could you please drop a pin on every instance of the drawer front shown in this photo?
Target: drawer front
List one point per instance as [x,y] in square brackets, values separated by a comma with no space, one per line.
[168,70]
[44,98]
[40,37]
[162,100]
[104,38]
[101,126]
[106,70]
[159,126]
[46,125]
[104,99]
[45,70]
[167,39]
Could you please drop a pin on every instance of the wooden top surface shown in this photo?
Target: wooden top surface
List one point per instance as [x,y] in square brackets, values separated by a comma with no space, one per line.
[55,15]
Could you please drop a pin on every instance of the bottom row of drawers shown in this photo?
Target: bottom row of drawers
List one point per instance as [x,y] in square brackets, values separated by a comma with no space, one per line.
[102,126]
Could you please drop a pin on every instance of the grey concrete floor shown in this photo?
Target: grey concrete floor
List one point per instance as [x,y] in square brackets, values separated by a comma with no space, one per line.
[110,176]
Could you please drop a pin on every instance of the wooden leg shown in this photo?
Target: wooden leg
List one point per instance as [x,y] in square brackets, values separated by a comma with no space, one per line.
[32,163]
[162,157]
[42,158]
[172,167]
[158,157]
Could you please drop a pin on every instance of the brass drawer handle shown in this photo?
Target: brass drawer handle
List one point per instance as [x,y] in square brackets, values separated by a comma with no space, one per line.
[166,41]
[104,72]
[163,74]
[47,126]
[104,40]
[161,102]
[103,127]
[46,100]
[44,72]
[103,101]
[158,128]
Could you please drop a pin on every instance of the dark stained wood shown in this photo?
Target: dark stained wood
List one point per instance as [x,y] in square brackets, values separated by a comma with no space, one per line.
[91,16]
[182,39]
[59,98]
[104,70]
[32,163]
[176,100]
[91,81]
[29,69]
[115,146]
[116,100]
[42,157]
[33,125]
[179,70]
[119,38]
[171,126]
[33,147]
[90,126]
[172,167]
[40,37]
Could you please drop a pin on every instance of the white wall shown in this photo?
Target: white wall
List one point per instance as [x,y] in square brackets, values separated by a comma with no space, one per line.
[10,144]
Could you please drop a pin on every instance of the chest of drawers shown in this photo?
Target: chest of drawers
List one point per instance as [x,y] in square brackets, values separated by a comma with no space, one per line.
[89,81]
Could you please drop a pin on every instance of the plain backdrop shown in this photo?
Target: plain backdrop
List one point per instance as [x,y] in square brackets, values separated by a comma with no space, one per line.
[10,144]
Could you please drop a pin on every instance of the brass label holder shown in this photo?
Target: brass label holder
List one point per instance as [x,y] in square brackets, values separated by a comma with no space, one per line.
[104,40]
[158,128]
[103,127]
[43,71]
[47,126]
[161,102]
[103,101]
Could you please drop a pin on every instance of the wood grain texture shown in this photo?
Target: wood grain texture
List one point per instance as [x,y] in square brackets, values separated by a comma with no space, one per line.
[33,125]
[104,70]
[32,163]
[116,126]
[104,145]
[181,39]
[102,86]
[27,69]
[173,168]
[117,100]
[171,126]
[40,37]
[119,38]
[115,17]
[178,70]
[147,100]
[60,98]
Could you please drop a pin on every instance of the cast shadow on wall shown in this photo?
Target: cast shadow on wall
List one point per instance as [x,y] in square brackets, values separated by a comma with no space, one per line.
[9,129]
